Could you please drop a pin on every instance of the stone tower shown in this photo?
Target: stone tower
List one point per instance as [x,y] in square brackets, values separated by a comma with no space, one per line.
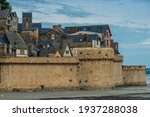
[95,68]
[26,20]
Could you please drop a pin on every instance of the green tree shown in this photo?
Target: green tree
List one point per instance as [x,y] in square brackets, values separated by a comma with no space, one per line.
[5,5]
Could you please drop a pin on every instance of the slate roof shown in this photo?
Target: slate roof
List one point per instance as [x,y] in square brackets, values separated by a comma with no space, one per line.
[83,38]
[56,44]
[94,28]
[45,51]
[15,40]
[14,14]
[27,39]
[37,25]
[3,40]
[52,43]
[44,30]
[4,14]
[45,42]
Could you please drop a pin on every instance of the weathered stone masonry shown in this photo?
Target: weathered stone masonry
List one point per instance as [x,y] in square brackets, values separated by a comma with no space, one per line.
[94,68]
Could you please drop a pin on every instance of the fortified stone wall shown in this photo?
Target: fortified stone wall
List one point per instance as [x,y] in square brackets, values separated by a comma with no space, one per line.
[95,68]
[134,75]
[36,73]
[117,70]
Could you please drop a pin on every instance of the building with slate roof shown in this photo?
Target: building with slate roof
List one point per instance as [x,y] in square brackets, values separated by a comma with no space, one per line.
[103,29]
[86,40]
[8,21]
[14,22]
[55,33]
[48,47]
[5,21]
[13,45]
[93,28]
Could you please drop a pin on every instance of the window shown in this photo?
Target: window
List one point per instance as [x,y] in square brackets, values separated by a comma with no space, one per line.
[10,50]
[18,51]
[67,51]
[8,21]
[25,52]
[52,36]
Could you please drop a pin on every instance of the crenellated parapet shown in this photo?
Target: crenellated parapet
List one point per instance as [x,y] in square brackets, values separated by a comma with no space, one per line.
[134,67]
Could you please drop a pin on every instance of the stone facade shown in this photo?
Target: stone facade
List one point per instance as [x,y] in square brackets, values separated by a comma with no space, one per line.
[93,68]
[117,70]
[134,75]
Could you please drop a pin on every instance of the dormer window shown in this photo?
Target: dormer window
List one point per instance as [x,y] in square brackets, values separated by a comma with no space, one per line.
[52,36]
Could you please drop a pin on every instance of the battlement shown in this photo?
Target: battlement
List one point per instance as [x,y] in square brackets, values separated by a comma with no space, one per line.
[41,60]
[95,53]
[133,67]
[118,58]
[134,75]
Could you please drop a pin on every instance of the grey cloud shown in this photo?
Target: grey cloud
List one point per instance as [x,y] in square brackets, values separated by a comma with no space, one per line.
[27,4]
[40,12]
[72,11]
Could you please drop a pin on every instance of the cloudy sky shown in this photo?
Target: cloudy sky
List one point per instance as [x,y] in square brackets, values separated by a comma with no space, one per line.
[129,20]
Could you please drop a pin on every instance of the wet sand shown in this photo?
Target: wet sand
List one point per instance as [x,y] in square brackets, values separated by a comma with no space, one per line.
[128,93]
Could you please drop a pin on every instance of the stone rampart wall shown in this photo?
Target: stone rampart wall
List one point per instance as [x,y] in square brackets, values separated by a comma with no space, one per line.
[134,75]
